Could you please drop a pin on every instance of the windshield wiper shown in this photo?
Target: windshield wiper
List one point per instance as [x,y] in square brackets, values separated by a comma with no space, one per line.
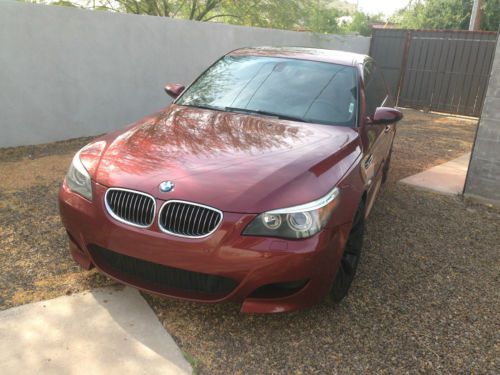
[265,113]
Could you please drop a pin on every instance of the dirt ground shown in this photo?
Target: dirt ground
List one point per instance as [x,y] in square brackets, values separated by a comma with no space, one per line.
[426,298]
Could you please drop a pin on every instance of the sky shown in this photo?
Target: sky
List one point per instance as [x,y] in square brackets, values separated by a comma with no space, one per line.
[387,7]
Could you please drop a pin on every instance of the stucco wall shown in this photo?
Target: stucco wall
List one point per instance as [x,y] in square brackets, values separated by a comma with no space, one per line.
[67,72]
[483,179]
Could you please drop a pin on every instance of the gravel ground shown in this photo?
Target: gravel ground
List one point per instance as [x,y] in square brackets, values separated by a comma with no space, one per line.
[425,300]
[34,259]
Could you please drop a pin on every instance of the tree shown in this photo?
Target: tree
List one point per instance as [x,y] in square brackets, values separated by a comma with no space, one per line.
[65,3]
[320,16]
[491,15]
[310,15]
[199,10]
[362,23]
[446,14]
[280,14]
[324,19]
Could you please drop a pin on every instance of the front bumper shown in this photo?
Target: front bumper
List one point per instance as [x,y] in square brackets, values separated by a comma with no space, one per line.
[253,263]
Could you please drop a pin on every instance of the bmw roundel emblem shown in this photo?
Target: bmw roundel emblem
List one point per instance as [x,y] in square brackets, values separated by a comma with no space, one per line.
[167,186]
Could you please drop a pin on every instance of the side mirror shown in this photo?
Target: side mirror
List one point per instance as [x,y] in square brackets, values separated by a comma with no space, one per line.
[386,115]
[174,89]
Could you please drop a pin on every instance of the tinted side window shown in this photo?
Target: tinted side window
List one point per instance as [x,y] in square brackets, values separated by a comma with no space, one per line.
[375,92]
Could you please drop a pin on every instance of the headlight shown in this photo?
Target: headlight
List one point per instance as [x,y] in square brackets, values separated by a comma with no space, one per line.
[78,179]
[295,222]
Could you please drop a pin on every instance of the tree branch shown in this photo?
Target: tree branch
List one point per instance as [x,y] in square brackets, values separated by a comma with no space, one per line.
[221,15]
[194,4]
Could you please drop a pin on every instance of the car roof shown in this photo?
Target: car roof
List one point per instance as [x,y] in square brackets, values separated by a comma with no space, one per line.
[314,54]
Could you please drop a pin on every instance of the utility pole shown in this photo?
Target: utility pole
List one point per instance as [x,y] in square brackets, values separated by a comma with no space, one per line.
[475,17]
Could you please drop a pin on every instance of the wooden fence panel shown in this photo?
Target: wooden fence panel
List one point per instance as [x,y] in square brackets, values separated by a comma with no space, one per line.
[438,70]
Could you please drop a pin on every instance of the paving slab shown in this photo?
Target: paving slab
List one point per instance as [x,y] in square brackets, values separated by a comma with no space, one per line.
[447,178]
[103,331]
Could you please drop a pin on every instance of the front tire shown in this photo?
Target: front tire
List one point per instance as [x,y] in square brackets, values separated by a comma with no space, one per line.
[350,258]
[385,170]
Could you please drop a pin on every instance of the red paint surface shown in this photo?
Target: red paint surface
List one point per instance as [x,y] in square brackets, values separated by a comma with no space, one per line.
[243,165]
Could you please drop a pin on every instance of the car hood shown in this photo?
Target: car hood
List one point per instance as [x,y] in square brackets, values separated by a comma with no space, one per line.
[234,162]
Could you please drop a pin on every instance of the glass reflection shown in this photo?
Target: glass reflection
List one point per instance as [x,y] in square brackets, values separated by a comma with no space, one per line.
[186,135]
[309,91]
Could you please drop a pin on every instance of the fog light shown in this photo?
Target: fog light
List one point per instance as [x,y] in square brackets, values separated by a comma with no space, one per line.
[279,290]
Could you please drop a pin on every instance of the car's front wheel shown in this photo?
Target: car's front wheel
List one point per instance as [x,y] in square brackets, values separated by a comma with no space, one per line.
[385,170]
[350,258]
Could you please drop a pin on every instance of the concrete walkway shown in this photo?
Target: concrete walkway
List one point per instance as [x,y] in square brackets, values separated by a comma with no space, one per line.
[447,178]
[105,331]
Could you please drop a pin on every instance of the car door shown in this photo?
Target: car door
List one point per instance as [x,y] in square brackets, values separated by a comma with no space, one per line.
[377,138]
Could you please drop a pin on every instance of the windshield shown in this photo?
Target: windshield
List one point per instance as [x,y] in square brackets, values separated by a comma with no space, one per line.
[300,90]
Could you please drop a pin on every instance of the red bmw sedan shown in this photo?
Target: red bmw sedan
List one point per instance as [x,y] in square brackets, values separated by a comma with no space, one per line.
[253,186]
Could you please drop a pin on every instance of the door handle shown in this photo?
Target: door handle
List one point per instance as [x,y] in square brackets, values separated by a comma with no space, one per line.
[387,128]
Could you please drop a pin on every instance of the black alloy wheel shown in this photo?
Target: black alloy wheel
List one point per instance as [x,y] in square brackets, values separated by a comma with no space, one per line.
[385,171]
[350,258]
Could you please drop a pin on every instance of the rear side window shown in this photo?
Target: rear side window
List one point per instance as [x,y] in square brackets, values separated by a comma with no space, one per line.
[375,89]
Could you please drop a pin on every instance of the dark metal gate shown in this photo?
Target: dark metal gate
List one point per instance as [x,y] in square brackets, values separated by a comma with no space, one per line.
[438,70]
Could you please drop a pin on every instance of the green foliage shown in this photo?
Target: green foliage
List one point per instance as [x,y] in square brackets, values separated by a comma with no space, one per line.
[491,15]
[198,10]
[283,14]
[64,3]
[324,20]
[361,23]
[280,14]
[319,16]
[447,14]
